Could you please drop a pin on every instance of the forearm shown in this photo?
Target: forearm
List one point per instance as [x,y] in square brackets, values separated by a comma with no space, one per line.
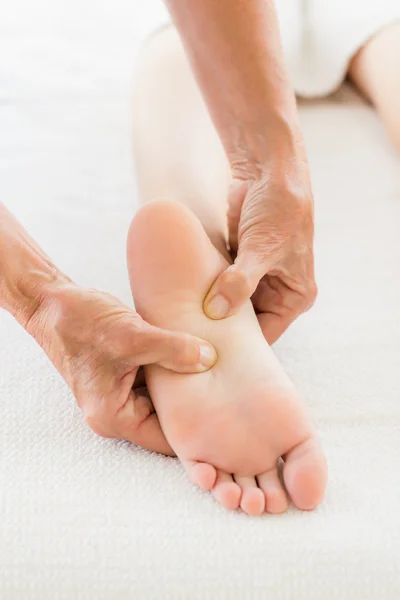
[236,54]
[26,274]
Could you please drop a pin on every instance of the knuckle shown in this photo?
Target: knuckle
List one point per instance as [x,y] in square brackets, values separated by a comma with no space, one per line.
[145,336]
[237,280]
[308,297]
[311,295]
[297,193]
[313,292]
[188,352]
[133,425]
[98,421]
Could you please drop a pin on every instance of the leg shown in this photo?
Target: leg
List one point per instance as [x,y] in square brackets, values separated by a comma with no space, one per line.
[177,152]
[174,138]
[376,72]
[179,156]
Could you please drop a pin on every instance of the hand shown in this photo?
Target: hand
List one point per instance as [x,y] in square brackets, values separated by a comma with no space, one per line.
[271,228]
[98,345]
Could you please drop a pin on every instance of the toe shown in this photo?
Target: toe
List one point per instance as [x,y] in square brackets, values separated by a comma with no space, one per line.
[201,474]
[226,491]
[276,501]
[305,474]
[253,500]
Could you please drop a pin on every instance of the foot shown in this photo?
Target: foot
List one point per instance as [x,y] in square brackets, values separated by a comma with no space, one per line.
[244,414]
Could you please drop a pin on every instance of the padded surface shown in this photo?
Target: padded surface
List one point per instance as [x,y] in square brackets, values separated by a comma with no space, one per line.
[87,518]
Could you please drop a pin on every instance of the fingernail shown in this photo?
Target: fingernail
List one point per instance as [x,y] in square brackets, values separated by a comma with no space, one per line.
[208,356]
[218,307]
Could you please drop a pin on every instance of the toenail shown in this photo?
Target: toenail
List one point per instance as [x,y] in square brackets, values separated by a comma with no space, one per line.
[218,307]
[208,356]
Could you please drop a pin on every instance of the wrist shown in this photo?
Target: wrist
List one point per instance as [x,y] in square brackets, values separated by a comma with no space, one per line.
[31,294]
[271,144]
[27,275]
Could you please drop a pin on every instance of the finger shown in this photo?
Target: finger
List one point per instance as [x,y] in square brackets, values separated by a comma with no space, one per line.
[274,325]
[135,420]
[237,193]
[235,285]
[278,306]
[140,380]
[138,423]
[179,352]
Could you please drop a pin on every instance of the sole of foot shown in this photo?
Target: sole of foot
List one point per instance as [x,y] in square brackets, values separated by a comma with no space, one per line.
[232,424]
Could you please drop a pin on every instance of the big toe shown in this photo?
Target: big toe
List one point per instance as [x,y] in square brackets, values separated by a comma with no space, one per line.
[305,474]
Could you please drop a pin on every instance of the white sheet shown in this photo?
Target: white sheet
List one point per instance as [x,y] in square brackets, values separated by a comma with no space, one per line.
[85,518]
[320,37]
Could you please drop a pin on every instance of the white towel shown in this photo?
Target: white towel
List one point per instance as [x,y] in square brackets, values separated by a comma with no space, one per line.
[89,519]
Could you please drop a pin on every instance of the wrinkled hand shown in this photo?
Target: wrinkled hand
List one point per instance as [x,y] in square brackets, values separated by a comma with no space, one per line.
[98,345]
[270,219]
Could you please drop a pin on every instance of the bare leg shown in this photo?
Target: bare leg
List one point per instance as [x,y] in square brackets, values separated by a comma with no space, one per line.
[376,72]
[178,153]
[179,157]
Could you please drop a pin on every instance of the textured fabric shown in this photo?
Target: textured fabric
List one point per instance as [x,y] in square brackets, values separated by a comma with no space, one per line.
[90,519]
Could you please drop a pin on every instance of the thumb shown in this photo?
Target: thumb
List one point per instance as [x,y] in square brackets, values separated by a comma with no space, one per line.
[178,352]
[236,284]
